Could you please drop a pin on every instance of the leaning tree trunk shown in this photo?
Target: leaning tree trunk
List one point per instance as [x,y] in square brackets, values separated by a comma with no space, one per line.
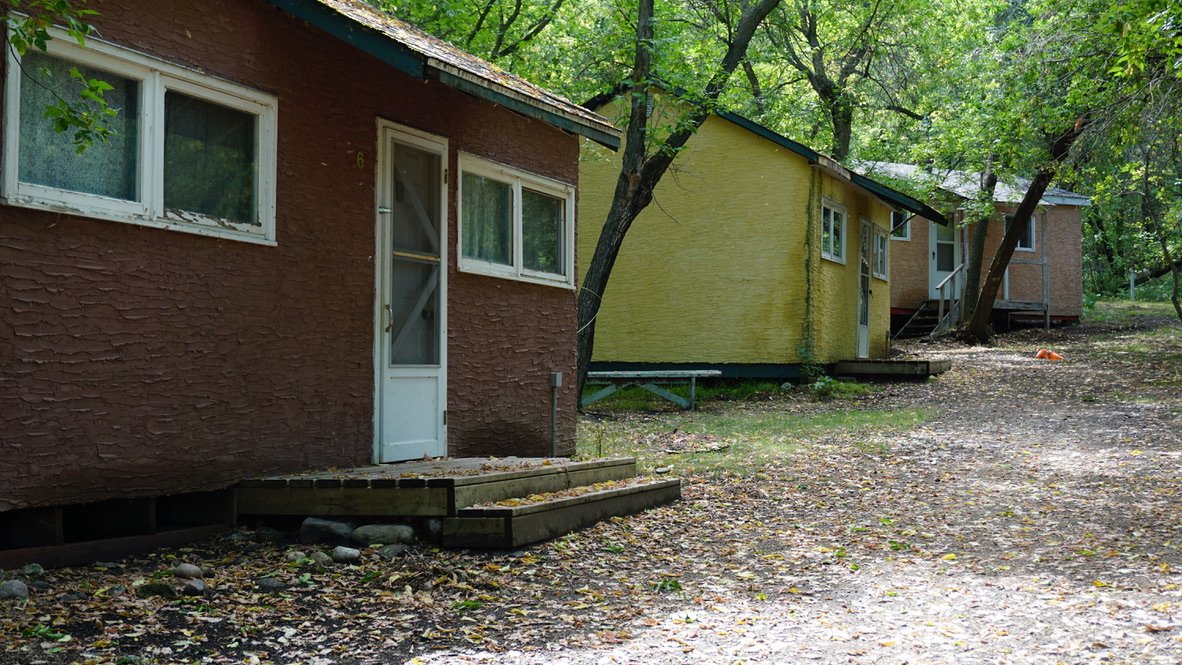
[978,328]
[970,299]
[640,172]
[1151,214]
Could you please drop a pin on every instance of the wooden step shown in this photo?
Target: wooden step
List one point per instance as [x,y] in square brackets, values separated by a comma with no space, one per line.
[544,517]
[414,491]
[490,488]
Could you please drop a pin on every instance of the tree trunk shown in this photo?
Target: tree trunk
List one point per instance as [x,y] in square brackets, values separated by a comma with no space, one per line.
[1153,273]
[978,328]
[841,114]
[640,172]
[970,300]
[1150,213]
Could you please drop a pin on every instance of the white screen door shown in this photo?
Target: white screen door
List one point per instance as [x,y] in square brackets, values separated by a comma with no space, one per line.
[411,321]
[944,254]
[864,292]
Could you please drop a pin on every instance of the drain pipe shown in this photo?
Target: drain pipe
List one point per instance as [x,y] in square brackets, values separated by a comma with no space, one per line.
[555,384]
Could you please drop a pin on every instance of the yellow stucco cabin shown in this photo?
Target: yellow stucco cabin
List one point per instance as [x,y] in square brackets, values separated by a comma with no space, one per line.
[757,255]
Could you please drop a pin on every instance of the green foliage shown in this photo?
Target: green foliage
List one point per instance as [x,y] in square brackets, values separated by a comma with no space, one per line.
[87,115]
[667,585]
[32,29]
[827,387]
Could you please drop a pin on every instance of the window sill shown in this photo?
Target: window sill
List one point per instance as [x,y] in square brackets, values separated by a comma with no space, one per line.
[511,275]
[166,223]
[833,259]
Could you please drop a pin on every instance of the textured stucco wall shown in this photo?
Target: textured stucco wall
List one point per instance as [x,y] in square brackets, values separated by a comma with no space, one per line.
[1063,240]
[140,361]
[714,270]
[835,300]
[909,267]
[909,275]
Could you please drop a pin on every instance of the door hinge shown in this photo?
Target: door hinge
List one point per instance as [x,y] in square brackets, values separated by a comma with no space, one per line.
[445,416]
[445,171]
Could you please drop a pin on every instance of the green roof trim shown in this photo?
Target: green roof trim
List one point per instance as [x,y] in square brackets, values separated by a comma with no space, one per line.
[562,122]
[887,194]
[351,32]
[756,128]
[421,66]
[898,198]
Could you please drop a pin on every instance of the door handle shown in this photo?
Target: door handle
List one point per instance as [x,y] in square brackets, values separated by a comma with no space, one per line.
[389,318]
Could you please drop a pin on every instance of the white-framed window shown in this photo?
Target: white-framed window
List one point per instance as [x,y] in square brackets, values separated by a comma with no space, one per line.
[881,245]
[833,218]
[1026,241]
[515,224]
[900,225]
[189,152]
[1026,237]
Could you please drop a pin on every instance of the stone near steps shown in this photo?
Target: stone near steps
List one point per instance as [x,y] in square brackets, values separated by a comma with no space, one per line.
[187,571]
[316,530]
[13,590]
[383,534]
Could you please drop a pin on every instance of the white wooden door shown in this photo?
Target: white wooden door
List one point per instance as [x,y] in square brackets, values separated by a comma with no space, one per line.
[943,257]
[864,291]
[411,350]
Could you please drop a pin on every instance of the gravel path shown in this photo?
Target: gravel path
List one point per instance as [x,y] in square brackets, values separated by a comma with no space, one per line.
[1035,516]
[1038,519]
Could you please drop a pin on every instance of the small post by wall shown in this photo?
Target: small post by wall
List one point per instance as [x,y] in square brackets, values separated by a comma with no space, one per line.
[1046,274]
[1132,285]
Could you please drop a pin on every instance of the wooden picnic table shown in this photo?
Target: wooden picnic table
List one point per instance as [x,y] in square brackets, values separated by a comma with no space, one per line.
[651,380]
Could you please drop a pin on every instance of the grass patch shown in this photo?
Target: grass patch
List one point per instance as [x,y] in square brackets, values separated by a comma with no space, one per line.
[1127,311]
[635,398]
[752,439]
[828,387]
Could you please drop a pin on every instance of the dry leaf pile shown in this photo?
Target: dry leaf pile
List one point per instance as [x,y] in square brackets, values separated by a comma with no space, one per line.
[1035,518]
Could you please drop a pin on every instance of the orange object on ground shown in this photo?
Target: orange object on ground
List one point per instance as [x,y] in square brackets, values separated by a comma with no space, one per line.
[1045,354]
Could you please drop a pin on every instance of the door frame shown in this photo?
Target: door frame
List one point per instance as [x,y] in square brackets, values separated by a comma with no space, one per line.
[387,131]
[932,258]
[865,276]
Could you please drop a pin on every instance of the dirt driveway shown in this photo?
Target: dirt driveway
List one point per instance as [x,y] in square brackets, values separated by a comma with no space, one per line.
[1034,515]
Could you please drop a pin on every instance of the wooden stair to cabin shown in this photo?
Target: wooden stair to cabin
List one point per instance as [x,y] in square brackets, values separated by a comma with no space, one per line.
[922,323]
[495,503]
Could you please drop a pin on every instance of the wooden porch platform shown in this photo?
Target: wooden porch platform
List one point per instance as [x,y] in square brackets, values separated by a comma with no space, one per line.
[892,369]
[482,502]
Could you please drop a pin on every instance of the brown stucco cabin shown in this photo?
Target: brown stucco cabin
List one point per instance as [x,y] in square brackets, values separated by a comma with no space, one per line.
[1044,281]
[319,238]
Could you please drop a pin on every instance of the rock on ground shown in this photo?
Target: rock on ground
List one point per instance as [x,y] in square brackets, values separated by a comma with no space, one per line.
[317,530]
[187,571]
[342,554]
[383,534]
[13,590]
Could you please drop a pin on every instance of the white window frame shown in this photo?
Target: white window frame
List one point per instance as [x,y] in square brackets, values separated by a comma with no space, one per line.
[906,226]
[829,253]
[155,77]
[880,251]
[517,180]
[1033,247]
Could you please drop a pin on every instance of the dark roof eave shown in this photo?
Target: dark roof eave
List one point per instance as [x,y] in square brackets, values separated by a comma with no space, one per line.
[599,135]
[898,199]
[416,65]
